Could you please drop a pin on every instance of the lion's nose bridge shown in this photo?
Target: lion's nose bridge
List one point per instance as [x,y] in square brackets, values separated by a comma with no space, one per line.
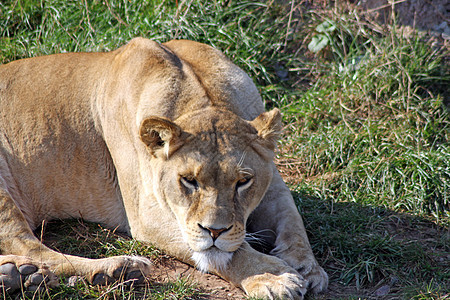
[217,217]
[218,213]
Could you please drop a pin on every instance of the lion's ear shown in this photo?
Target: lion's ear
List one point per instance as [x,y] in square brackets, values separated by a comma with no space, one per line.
[161,136]
[268,124]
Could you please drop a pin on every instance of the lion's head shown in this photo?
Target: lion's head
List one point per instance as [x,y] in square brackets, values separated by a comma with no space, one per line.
[211,168]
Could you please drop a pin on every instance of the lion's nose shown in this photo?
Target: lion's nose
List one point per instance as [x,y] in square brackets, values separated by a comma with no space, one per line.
[215,232]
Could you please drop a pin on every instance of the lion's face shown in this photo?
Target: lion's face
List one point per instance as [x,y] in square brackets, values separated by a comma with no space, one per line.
[212,170]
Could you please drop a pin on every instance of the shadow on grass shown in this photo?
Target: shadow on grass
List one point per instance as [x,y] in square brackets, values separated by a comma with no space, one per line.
[368,252]
[180,289]
[91,240]
[372,252]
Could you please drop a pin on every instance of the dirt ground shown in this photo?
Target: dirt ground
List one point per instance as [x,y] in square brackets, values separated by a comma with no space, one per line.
[433,15]
[215,287]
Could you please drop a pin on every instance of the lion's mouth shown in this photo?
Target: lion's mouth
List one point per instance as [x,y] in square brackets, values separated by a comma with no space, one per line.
[212,259]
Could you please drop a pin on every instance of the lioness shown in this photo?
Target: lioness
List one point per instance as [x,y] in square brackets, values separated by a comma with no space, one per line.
[166,142]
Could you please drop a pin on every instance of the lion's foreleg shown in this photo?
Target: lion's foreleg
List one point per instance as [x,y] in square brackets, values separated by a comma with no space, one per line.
[262,275]
[18,269]
[278,217]
[27,263]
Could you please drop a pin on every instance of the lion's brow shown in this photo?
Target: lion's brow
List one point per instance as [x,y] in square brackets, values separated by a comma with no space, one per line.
[245,171]
[241,160]
[241,170]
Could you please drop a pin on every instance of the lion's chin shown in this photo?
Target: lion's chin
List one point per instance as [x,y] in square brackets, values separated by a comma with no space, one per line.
[212,258]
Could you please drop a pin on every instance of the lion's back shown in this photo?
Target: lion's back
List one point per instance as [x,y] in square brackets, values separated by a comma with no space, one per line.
[53,160]
[226,83]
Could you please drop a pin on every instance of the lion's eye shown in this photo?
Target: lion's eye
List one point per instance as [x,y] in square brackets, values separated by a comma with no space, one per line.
[244,182]
[189,182]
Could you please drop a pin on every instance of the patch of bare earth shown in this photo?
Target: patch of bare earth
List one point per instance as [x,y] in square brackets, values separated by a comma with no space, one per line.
[421,14]
[214,287]
[426,16]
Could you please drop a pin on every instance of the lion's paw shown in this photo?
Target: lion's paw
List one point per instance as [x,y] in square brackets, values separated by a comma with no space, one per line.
[307,266]
[17,273]
[284,286]
[313,273]
[317,279]
[129,269]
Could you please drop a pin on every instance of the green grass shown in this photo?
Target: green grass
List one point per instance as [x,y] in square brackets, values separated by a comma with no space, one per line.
[181,288]
[367,246]
[366,147]
[92,240]
[374,130]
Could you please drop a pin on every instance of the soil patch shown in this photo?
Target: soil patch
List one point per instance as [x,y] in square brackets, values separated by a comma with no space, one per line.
[431,15]
[170,269]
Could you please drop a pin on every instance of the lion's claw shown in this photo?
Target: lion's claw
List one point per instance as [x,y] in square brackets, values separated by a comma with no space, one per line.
[305,265]
[317,279]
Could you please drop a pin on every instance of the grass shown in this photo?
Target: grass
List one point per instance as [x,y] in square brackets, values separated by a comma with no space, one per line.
[375,130]
[91,240]
[367,247]
[366,146]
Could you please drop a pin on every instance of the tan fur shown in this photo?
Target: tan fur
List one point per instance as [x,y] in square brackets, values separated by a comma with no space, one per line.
[161,142]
